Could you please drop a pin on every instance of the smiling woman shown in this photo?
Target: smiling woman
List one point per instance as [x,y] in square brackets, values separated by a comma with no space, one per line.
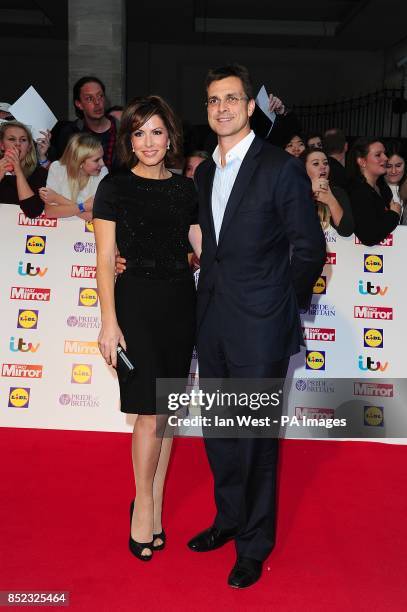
[375,212]
[151,215]
[20,176]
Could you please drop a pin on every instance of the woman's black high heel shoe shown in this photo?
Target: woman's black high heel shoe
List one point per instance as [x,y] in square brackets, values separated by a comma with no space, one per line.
[137,547]
[160,536]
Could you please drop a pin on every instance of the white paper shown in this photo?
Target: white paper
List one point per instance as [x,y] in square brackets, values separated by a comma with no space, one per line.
[32,110]
[262,101]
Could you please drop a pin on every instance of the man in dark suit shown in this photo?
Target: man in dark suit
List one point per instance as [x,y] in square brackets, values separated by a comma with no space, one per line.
[263,249]
[335,146]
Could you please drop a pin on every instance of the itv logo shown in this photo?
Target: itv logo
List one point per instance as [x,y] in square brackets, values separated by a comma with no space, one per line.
[368,288]
[372,365]
[21,346]
[29,270]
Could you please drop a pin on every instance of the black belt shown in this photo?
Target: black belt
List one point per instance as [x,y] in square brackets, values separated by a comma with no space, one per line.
[153,264]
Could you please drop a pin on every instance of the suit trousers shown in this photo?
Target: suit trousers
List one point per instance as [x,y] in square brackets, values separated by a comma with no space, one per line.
[244,469]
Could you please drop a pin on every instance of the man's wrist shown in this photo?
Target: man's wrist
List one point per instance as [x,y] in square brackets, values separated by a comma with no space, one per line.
[81,207]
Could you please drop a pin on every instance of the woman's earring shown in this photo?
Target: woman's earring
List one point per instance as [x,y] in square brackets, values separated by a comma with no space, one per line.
[168,145]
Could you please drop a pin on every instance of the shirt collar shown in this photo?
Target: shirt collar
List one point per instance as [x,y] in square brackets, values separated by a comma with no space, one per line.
[238,151]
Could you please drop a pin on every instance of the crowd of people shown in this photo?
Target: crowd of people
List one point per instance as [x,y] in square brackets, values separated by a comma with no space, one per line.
[359,189]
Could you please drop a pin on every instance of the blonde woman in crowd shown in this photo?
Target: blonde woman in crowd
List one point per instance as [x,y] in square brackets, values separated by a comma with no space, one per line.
[73,180]
[21,172]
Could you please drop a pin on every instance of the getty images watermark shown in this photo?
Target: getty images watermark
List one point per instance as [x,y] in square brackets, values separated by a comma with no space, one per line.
[301,408]
[221,401]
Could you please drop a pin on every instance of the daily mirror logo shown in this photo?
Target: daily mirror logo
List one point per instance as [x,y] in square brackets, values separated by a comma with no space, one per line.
[21,370]
[79,347]
[383,313]
[41,221]
[30,294]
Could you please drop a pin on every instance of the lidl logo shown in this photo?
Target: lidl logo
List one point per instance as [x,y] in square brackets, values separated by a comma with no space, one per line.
[373,263]
[27,319]
[88,297]
[19,397]
[89,226]
[320,285]
[315,360]
[373,416]
[373,337]
[81,374]
[35,245]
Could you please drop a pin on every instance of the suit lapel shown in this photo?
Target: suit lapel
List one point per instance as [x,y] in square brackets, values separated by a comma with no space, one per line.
[249,165]
[207,184]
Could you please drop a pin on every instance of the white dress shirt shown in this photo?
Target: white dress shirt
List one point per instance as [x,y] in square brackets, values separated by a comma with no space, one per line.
[225,177]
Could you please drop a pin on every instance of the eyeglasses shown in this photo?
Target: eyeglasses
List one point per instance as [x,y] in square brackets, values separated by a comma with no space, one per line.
[230,100]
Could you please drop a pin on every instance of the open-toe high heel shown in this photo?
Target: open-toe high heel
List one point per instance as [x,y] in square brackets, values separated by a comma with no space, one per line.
[137,548]
[160,536]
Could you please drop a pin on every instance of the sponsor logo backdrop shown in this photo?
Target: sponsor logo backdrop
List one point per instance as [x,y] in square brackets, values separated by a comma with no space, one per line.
[53,376]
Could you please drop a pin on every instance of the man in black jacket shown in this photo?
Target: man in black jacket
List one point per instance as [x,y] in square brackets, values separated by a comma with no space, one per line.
[335,146]
[262,251]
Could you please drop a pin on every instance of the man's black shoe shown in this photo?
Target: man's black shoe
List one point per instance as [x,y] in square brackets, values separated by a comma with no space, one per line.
[245,573]
[210,539]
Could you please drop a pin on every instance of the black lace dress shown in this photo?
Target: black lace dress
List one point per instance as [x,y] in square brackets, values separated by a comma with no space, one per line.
[155,297]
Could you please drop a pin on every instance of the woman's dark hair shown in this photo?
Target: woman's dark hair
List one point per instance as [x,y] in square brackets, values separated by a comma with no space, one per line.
[137,113]
[231,70]
[360,148]
[289,136]
[313,135]
[395,147]
[76,91]
[307,152]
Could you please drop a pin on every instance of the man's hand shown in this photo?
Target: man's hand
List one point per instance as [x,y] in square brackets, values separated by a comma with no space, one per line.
[120,264]
[276,105]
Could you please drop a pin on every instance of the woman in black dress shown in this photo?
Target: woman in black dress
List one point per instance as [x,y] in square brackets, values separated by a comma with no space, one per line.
[375,212]
[151,215]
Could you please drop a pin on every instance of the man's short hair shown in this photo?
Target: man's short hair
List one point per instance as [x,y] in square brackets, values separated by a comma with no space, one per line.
[334,141]
[231,70]
[76,91]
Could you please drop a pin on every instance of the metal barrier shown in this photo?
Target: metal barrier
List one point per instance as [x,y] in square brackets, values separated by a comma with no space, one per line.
[381,113]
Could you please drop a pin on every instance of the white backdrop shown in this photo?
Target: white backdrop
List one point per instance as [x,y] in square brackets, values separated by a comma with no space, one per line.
[52,375]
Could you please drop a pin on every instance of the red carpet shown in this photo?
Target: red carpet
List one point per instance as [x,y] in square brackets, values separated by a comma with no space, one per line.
[342,528]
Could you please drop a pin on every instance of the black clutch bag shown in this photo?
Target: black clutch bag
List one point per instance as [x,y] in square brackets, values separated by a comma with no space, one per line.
[125,368]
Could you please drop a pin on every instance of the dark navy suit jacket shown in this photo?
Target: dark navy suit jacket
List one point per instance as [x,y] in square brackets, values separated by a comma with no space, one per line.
[271,250]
